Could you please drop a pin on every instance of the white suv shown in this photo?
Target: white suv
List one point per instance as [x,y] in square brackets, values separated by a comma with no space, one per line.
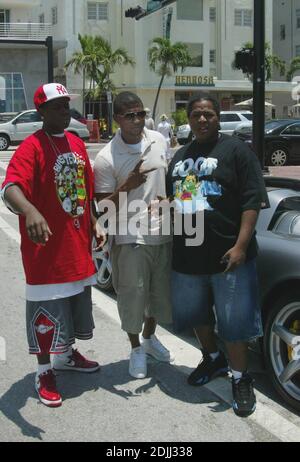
[28,122]
[229,121]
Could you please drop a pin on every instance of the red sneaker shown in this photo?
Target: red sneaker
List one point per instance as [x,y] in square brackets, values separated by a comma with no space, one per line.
[76,362]
[45,385]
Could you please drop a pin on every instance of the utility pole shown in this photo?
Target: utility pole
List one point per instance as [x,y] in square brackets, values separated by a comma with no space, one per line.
[49,45]
[259,81]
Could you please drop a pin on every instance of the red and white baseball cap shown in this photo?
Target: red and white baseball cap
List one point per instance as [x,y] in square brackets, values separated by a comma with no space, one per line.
[51,91]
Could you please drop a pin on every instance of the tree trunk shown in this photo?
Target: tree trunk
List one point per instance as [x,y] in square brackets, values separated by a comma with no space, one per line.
[90,91]
[157,96]
[83,94]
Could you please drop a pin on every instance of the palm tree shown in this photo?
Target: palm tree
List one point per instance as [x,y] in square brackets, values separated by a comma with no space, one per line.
[111,58]
[271,61]
[294,67]
[97,61]
[165,58]
[85,61]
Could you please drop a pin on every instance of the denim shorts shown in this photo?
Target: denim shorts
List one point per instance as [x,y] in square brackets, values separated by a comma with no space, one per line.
[230,300]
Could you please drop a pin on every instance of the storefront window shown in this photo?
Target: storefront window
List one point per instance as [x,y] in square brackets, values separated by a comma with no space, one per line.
[12,93]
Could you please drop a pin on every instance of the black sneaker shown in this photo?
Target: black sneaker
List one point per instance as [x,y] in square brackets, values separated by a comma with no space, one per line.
[244,401]
[208,369]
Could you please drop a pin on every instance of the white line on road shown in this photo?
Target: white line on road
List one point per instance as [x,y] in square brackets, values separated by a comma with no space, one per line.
[3,165]
[187,357]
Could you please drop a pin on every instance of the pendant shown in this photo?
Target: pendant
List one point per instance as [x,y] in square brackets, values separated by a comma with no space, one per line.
[77,223]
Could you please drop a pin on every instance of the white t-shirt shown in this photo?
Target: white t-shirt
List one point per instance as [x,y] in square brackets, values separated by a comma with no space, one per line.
[112,167]
[165,129]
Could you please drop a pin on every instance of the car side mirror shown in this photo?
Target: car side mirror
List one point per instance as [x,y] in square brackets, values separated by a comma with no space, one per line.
[14,122]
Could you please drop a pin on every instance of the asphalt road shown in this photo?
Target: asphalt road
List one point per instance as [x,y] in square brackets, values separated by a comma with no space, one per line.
[110,406]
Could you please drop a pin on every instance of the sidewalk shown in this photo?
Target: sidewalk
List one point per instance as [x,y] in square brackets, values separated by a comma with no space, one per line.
[290,171]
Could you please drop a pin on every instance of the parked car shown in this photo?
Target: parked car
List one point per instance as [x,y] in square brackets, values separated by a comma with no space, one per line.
[282,141]
[25,123]
[78,116]
[278,235]
[104,270]
[229,121]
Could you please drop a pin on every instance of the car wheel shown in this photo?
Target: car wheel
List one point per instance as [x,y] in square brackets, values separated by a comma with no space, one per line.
[4,142]
[282,347]
[104,270]
[278,156]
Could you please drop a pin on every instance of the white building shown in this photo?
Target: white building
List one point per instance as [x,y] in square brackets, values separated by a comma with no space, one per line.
[212,29]
[23,55]
[286,42]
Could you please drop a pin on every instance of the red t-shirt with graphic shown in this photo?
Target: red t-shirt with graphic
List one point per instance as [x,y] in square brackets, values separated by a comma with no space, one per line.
[56,177]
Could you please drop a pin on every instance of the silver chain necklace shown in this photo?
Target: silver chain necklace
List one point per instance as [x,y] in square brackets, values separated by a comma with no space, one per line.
[54,147]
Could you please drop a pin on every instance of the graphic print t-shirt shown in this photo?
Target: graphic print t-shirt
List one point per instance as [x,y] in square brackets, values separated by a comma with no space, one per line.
[223,179]
[61,188]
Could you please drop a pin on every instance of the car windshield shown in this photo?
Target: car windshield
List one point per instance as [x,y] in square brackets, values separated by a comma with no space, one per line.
[286,219]
[7,116]
[272,124]
[248,116]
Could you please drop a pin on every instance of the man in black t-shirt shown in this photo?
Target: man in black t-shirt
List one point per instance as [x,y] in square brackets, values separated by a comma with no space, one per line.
[219,177]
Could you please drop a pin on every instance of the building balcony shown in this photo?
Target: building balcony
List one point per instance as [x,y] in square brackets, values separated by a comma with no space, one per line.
[25,31]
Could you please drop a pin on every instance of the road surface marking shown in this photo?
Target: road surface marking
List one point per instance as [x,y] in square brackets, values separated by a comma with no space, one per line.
[187,357]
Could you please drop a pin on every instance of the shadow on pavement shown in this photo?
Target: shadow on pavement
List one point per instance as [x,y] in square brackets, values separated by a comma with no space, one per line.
[256,364]
[110,378]
[14,400]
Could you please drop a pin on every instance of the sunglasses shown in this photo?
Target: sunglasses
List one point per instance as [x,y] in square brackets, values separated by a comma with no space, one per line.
[133,115]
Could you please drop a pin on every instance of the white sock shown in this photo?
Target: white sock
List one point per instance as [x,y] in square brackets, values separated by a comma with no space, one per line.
[42,368]
[214,355]
[65,356]
[237,375]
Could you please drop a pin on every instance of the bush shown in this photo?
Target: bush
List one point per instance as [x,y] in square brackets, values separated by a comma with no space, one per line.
[180,117]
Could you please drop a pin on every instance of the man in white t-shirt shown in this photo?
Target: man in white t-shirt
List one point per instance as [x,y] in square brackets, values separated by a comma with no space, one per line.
[134,163]
[165,128]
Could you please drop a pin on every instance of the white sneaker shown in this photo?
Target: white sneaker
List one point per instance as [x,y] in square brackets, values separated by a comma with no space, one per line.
[154,347]
[138,363]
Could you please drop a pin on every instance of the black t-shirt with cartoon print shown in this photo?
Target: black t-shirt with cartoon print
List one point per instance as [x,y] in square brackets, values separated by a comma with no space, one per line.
[223,179]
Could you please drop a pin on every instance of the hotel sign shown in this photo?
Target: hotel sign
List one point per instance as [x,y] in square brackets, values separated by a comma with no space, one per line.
[194,81]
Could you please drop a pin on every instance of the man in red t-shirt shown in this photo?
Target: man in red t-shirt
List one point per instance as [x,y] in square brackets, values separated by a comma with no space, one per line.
[49,183]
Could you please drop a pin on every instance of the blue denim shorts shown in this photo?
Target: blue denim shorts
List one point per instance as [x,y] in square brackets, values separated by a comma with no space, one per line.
[230,300]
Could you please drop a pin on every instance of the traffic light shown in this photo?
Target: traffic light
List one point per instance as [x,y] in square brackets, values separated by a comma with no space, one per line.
[244,60]
[134,12]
